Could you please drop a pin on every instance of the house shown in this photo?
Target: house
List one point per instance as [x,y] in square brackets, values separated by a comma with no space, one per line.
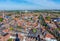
[49,37]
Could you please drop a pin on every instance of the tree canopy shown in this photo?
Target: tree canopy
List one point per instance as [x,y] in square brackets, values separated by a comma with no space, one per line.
[10,39]
[1,19]
[48,18]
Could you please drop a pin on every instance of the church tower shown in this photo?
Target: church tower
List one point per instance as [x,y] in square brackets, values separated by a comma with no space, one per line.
[3,14]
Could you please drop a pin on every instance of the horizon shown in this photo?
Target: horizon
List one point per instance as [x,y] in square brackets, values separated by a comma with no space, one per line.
[29,4]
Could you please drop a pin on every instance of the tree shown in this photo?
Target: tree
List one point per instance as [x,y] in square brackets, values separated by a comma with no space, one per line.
[58,29]
[34,30]
[1,19]
[16,16]
[17,12]
[44,24]
[10,39]
[11,28]
[48,18]
[9,14]
[19,27]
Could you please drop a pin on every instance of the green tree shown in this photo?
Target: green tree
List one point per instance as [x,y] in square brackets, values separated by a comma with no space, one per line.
[17,12]
[58,29]
[10,39]
[11,28]
[16,16]
[19,27]
[34,30]
[9,14]
[1,19]
[48,18]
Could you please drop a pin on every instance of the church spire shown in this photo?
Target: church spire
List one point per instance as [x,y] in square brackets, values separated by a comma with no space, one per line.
[3,14]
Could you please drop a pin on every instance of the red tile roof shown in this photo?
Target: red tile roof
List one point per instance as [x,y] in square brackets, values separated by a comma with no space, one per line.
[48,35]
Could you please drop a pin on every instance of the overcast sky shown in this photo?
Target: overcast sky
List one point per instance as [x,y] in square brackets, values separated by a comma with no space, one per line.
[29,4]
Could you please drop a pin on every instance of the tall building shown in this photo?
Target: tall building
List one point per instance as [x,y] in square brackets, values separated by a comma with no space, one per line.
[3,14]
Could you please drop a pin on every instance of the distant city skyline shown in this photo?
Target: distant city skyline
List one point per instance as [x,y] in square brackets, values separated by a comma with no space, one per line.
[29,4]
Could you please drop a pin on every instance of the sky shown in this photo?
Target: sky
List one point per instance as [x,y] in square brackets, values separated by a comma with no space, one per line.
[29,4]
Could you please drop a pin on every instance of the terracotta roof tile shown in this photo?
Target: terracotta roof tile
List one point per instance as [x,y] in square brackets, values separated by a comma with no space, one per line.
[48,35]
